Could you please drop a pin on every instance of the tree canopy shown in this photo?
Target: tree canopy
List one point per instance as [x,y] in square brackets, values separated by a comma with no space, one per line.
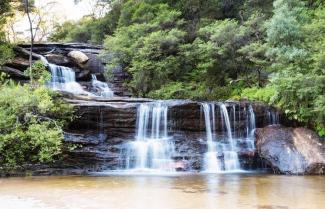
[269,50]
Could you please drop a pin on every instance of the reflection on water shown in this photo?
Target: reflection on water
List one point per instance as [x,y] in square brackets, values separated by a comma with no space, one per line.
[185,191]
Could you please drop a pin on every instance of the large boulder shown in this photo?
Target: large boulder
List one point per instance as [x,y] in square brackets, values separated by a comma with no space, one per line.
[291,150]
[78,56]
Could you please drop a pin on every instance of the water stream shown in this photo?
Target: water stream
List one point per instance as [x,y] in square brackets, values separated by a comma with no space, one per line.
[64,79]
[152,149]
[222,151]
[101,88]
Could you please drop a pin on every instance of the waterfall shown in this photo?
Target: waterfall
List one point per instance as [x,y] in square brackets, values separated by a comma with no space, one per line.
[152,148]
[222,153]
[230,155]
[250,129]
[211,161]
[64,79]
[225,118]
[272,117]
[101,88]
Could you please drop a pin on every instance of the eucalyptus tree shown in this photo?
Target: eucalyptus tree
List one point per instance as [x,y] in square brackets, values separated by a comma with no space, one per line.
[26,6]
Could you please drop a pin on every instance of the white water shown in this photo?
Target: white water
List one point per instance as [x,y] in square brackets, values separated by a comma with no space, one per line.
[272,117]
[211,161]
[251,126]
[222,153]
[64,79]
[101,88]
[153,148]
[230,155]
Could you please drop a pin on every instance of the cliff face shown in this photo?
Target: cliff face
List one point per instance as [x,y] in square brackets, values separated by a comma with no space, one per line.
[104,127]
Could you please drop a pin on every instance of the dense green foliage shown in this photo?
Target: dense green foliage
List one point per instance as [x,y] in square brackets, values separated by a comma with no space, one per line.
[31,122]
[217,49]
[31,117]
[5,49]
[39,72]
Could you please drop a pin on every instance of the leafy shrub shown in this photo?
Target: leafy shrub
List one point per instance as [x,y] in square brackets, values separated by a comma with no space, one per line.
[259,94]
[39,72]
[6,52]
[301,97]
[31,125]
[175,90]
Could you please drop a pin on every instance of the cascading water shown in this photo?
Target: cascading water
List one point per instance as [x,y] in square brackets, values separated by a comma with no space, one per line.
[211,161]
[272,117]
[222,153]
[250,129]
[230,155]
[153,148]
[101,88]
[64,79]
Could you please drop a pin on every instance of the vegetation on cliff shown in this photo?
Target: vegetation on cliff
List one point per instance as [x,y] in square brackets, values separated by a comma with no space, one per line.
[271,51]
[31,117]
[263,50]
[31,121]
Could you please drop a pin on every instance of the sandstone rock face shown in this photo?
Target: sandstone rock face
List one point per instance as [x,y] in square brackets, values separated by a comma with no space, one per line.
[103,127]
[57,59]
[78,57]
[291,150]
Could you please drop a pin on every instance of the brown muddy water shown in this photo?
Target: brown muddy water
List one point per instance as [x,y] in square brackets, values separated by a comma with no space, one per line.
[181,191]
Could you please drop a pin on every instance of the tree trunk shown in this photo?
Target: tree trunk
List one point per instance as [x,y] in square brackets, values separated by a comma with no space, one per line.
[259,77]
[31,41]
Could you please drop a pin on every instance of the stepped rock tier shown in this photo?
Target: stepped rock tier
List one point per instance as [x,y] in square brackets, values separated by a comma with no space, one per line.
[116,132]
[105,127]
[84,59]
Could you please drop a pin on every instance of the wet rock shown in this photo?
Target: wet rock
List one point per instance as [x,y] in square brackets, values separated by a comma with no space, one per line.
[13,73]
[84,138]
[291,150]
[19,63]
[94,65]
[57,59]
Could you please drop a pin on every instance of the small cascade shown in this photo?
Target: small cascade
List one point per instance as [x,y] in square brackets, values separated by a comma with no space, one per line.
[222,153]
[101,88]
[64,79]
[211,161]
[250,129]
[153,148]
[272,117]
[231,161]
